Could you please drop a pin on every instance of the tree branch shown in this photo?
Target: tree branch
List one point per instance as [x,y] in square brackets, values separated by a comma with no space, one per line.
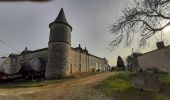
[144,18]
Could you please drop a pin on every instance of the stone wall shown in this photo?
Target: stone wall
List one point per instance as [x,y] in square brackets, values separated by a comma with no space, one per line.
[13,64]
[42,53]
[5,67]
[10,65]
[80,61]
[144,81]
[159,59]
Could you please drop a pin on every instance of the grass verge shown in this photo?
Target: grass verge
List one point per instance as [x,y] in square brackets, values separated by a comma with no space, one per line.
[118,86]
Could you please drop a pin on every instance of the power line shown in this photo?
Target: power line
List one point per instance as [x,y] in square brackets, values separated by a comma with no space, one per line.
[8,45]
[4,55]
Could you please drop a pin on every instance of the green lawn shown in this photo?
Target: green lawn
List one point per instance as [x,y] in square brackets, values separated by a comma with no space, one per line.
[164,79]
[118,86]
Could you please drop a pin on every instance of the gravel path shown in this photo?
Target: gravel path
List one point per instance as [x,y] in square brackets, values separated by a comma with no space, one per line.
[74,89]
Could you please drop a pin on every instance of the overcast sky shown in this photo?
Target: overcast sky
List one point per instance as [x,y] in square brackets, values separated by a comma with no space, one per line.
[27,24]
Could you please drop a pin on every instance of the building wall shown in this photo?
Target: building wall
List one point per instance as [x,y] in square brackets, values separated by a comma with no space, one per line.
[9,65]
[80,61]
[36,54]
[156,59]
[5,66]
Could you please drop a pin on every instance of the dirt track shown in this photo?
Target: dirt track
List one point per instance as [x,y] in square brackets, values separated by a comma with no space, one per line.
[75,89]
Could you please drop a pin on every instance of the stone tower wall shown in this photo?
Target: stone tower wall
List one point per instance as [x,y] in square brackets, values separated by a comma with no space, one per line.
[60,32]
[59,51]
[59,60]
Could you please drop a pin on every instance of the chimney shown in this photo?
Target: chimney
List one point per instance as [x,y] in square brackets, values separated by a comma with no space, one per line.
[160,45]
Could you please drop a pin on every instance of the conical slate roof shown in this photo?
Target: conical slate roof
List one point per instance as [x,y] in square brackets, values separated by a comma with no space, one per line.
[61,17]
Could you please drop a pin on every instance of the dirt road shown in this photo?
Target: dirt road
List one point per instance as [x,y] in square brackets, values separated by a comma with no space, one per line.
[74,89]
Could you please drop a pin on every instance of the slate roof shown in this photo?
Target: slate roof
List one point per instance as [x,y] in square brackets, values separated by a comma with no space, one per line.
[61,18]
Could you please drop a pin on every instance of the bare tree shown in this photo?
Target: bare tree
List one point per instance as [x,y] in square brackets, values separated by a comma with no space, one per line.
[144,17]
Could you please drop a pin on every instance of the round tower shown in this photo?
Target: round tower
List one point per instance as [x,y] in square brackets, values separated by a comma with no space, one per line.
[59,47]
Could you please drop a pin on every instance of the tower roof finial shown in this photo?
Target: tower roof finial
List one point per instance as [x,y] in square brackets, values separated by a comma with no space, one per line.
[61,17]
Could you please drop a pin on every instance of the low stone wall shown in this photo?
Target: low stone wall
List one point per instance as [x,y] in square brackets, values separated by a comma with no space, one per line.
[145,81]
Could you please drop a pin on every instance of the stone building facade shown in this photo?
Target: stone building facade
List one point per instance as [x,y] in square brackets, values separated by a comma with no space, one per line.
[60,59]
